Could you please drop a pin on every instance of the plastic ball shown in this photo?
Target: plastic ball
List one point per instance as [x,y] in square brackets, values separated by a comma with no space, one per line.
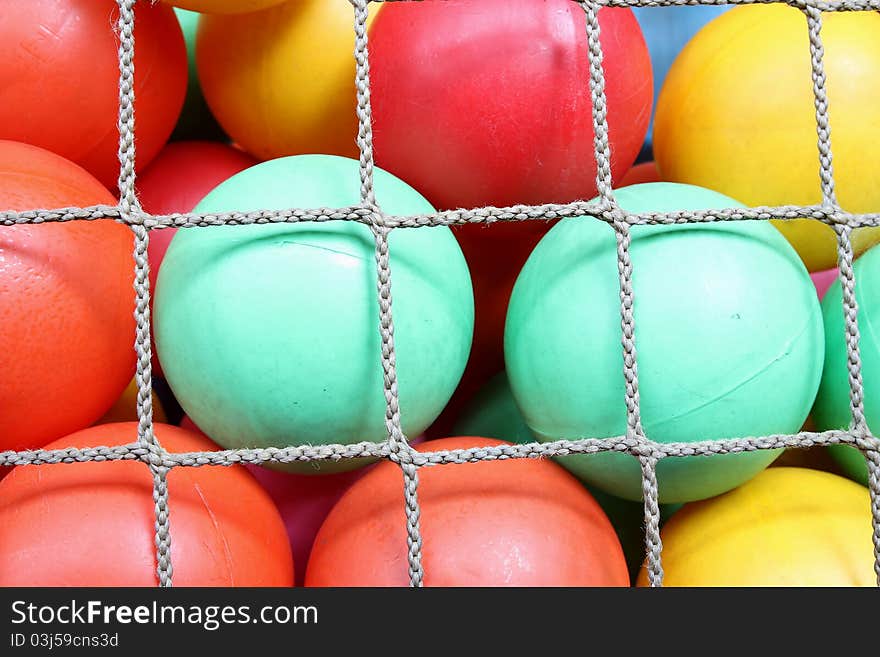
[737,115]
[304,503]
[302,500]
[832,403]
[518,522]
[493,413]
[92,524]
[196,120]
[187,423]
[721,353]
[495,255]
[59,60]
[529,138]
[125,408]
[786,527]
[491,104]
[667,30]
[224,6]
[308,290]
[287,87]
[646,172]
[66,302]
[182,175]
[823,280]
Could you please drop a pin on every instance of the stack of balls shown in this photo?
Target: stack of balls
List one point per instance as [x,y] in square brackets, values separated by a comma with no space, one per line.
[268,335]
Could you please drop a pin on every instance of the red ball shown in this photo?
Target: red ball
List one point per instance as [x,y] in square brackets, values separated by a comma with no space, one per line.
[304,502]
[91,524]
[491,103]
[646,172]
[184,172]
[66,302]
[59,79]
[522,522]
[187,423]
[181,176]
[492,106]
[495,255]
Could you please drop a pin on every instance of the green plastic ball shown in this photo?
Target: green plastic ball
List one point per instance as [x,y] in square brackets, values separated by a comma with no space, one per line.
[493,413]
[269,334]
[196,120]
[628,519]
[832,403]
[728,335]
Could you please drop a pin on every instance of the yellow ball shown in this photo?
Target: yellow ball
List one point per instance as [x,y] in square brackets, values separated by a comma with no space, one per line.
[125,408]
[223,6]
[785,527]
[736,114]
[282,81]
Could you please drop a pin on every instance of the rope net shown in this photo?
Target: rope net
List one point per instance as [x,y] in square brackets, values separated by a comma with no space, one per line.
[396,448]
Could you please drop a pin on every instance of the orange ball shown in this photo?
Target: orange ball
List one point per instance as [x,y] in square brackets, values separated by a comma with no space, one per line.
[59,79]
[66,302]
[519,522]
[91,524]
[281,81]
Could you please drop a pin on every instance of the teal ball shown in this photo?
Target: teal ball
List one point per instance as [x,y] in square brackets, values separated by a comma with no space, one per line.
[196,120]
[832,403]
[493,413]
[269,334]
[728,332]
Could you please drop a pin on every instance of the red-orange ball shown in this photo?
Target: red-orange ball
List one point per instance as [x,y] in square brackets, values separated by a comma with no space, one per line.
[59,79]
[91,524]
[502,523]
[66,302]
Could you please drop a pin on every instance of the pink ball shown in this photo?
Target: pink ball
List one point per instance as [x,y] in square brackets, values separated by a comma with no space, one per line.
[304,502]
[823,280]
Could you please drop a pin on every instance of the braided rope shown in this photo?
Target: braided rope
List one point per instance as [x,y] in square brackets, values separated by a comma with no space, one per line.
[557,448]
[129,205]
[487,215]
[396,448]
